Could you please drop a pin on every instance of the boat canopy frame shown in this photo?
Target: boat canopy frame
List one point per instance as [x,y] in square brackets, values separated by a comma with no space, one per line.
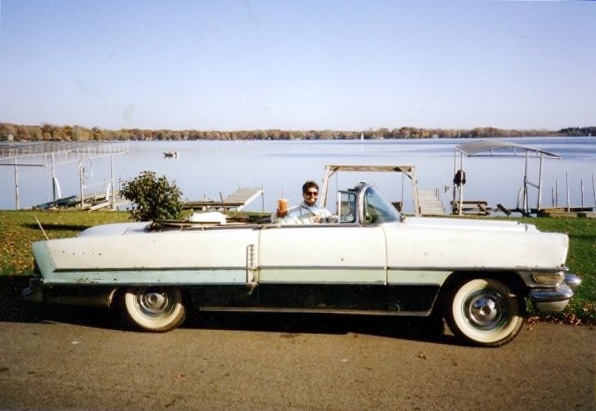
[499,148]
[51,153]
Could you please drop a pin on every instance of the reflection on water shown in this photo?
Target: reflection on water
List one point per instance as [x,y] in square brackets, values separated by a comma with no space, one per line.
[214,169]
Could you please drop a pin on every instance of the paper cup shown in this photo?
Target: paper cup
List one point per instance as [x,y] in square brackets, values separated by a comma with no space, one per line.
[282,207]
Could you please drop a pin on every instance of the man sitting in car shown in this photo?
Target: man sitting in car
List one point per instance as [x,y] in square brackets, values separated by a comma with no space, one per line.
[307,212]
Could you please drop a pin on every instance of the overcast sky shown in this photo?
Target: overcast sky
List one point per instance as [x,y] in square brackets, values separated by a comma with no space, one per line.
[298,65]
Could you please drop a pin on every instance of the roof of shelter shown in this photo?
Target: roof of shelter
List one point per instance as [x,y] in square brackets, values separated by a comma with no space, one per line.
[38,152]
[499,147]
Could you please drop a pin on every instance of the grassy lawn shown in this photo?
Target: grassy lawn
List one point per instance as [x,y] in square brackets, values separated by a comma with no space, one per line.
[18,229]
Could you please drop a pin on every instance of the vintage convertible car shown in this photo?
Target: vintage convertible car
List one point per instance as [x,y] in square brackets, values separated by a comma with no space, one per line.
[476,274]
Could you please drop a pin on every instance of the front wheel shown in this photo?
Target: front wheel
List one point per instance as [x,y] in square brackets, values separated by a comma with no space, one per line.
[485,312]
[155,309]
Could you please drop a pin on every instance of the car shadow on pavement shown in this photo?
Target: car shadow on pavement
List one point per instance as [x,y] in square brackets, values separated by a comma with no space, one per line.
[419,329]
[14,309]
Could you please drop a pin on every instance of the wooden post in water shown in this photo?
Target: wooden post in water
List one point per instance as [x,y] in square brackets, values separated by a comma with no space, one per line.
[454,187]
[594,192]
[112,199]
[567,185]
[16,183]
[461,188]
[539,201]
[81,183]
[526,204]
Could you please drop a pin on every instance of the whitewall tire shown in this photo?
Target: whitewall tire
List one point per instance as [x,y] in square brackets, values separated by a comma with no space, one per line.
[155,309]
[485,312]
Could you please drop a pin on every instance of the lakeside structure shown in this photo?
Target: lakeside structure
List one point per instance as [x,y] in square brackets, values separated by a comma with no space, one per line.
[51,154]
[492,148]
[206,169]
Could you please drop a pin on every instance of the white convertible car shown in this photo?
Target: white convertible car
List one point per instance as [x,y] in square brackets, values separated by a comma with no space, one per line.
[477,274]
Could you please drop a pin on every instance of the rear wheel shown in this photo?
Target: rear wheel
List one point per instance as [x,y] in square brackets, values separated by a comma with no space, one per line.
[153,308]
[485,312]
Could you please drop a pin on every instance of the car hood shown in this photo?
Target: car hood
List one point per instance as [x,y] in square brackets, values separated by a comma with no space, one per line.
[470,224]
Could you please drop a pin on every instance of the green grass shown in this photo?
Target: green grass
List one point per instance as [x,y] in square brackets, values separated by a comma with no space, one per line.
[18,229]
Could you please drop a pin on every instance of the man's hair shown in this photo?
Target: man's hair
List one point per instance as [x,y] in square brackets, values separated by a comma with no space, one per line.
[309,184]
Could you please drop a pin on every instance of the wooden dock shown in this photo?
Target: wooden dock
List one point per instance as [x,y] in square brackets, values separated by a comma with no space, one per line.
[235,201]
[585,212]
[430,205]
[91,202]
[472,207]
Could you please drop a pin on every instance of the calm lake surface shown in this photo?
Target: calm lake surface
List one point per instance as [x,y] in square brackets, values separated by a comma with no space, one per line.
[215,169]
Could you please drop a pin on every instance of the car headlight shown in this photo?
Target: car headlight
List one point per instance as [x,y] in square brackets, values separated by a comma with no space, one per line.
[549,278]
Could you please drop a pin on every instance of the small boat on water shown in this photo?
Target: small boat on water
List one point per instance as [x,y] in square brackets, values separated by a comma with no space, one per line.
[170,154]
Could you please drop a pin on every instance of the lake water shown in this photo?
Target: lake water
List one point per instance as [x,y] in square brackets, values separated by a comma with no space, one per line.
[212,169]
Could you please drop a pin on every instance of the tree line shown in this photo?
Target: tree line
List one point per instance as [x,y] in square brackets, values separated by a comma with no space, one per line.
[48,132]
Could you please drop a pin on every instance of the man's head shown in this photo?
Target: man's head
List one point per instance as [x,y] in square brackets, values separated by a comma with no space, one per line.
[310,192]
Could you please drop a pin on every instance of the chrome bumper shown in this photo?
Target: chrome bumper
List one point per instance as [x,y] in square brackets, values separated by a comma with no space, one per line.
[555,299]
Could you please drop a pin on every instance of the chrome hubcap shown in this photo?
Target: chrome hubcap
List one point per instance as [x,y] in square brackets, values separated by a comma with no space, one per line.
[153,303]
[485,310]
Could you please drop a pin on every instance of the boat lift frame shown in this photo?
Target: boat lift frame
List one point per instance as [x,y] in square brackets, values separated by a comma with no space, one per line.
[502,148]
[49,153]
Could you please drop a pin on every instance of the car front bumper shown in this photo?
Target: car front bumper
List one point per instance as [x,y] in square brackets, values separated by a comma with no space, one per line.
[555,299]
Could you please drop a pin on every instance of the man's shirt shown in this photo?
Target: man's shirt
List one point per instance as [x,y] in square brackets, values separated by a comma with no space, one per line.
[303,214]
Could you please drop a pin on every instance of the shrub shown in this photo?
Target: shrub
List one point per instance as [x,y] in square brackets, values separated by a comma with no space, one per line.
[153,198]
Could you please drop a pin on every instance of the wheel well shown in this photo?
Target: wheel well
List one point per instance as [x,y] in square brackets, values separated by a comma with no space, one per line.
[114,297]
[510,278]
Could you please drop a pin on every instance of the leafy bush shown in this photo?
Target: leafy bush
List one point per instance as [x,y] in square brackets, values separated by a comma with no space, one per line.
[153,198]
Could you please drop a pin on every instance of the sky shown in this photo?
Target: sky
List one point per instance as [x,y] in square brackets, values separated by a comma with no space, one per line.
[298,65]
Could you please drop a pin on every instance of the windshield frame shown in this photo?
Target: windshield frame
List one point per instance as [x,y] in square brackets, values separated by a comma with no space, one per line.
[375,208]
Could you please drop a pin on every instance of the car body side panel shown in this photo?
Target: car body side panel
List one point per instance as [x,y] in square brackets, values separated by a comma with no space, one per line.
[322,255]
[448,249]
[416,276]
[176,257]
[322,267]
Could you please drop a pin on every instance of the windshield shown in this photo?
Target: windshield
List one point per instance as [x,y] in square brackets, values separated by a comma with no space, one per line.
[376,208]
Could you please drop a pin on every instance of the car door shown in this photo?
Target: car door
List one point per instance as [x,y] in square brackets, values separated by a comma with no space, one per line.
[413,277]
[324,266]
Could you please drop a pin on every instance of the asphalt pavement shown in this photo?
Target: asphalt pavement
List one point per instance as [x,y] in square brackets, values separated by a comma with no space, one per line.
[68,358]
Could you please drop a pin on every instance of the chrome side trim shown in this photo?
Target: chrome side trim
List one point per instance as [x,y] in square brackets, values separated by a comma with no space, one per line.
[317,311]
